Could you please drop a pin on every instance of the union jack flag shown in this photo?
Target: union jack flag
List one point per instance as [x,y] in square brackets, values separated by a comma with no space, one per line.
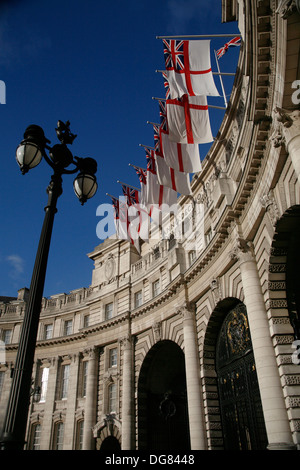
[142,174]
[121,212]
[233,42]
[115,203]
[174,54]
[151,165]
[131,194]
[157,143]
[167,86]
[163,115]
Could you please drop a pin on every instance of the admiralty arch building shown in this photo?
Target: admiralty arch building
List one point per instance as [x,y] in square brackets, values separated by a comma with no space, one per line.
[191,346]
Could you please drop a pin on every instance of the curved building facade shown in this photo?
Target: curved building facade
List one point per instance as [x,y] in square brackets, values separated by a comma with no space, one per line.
[191,344]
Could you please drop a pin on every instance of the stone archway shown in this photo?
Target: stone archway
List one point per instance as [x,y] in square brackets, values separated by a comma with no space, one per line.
[107,433]
[162,400]
[284,284]
[283,306]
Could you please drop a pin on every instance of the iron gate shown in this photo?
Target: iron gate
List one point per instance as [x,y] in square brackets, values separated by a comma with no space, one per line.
[240,404]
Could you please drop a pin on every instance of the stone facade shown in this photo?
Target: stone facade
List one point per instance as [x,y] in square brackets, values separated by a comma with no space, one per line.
[108,342]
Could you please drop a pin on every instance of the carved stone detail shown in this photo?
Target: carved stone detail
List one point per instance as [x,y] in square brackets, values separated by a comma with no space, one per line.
[216,290]
[277,268]
[90,353]
[156,328]
[276,285]
[287,7]
[242,251]
[276,303]
[286,126]
[269,203]
[186,310]
[125,342]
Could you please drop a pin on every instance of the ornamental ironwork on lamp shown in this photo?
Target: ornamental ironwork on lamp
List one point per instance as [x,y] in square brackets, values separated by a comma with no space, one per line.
[32,150]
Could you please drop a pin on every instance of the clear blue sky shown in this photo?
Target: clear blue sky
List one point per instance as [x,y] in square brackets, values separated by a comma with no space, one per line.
[92,63]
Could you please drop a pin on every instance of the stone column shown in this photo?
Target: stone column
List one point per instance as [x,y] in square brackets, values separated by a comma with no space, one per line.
[287,132]
[90,411]
[275,413]
[127,394]
[194,392]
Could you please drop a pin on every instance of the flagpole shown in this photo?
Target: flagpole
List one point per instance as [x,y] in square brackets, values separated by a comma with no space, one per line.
[153,123]
[163,99]
[107,194]
[221,81]
[200,36]
[135,166]
[147,147]
[133,187]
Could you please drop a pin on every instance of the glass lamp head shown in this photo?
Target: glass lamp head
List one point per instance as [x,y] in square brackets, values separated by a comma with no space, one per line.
[28,156]
[30,151]
[85,186]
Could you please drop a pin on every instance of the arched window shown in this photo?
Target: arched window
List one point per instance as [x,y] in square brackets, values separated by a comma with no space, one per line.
[58,436]
[79,434]
[35,437]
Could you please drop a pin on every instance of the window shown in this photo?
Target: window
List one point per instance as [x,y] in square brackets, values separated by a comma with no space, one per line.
[192,256]
[156,253]
[65,380]
[113,357]
[79,436]
[85,366]
[48,331]
[86,321]
[109,311]
[36,437]
[172,241]
[156,288]
[208,236]
[6,335]
[68,327]
[138,299]
[44,383]
[58,437]
[2,352]
[112,397]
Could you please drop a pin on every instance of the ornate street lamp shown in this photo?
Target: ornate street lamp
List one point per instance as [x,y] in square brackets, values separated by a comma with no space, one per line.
[29,154]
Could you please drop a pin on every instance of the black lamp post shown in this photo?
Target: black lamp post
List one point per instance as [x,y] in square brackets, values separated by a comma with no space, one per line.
[29,154]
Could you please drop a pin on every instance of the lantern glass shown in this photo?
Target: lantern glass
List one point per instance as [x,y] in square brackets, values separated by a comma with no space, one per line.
[28,156]
[85,186]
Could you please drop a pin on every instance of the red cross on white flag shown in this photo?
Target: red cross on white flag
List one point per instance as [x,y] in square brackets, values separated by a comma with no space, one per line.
[188,68]
[188,120]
